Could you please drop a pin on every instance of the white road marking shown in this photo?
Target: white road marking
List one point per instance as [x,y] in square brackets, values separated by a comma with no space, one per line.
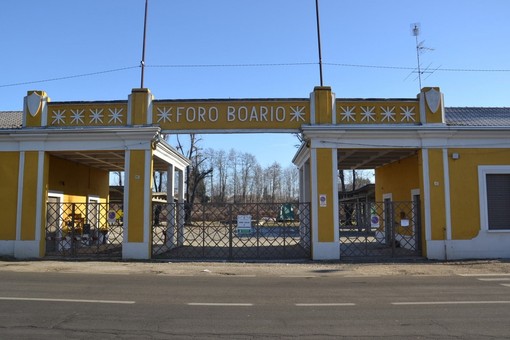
[324,304]
[65,300]
[220,304]
[487,274]
[505,284]
[496,279]
[448,303]
[298,276]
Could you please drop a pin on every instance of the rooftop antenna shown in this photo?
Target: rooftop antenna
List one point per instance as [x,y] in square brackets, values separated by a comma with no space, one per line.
[142,63]
[415,31]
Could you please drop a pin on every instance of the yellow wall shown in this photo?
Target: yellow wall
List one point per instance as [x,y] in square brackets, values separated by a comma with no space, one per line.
[464,193]
[9,165]
[398,178]
[77,181]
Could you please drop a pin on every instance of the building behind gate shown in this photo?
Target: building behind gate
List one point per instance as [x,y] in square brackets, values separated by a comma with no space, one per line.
[452,165]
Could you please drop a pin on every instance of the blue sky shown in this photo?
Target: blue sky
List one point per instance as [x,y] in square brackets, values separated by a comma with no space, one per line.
[60,38]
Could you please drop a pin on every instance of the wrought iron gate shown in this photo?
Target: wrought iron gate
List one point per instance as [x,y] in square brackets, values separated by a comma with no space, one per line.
[231,231]
[380,229]
[84,230]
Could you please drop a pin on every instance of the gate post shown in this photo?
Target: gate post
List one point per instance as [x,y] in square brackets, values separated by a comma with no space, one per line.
[323,169]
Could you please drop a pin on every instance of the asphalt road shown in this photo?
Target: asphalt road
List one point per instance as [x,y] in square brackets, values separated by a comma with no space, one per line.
[151,306]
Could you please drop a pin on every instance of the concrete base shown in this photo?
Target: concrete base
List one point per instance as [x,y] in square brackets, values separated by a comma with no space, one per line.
[325,250]
[487,245]
[27,249]
[7,248]
[135,251]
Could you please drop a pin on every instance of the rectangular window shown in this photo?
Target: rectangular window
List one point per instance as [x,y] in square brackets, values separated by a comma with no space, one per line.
[494,184]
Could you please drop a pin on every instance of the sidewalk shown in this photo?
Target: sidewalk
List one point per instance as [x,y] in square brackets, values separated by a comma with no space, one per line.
[308,268]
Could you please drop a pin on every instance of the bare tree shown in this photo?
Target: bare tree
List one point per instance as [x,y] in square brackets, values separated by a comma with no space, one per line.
[195,172]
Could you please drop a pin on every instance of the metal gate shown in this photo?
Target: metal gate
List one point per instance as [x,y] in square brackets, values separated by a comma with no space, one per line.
[380,229]
[231,231]
[84,230]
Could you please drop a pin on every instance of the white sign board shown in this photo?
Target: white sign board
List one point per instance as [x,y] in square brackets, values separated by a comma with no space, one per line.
[243,224]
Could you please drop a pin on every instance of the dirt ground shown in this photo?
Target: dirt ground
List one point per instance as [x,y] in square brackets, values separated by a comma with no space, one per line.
[308,268]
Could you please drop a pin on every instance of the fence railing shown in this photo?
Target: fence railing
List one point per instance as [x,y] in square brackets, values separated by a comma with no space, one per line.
[380,229]
[231,231]
[84,230]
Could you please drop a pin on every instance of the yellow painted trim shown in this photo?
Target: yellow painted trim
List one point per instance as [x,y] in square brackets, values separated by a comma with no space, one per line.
[231,114]
[377,112]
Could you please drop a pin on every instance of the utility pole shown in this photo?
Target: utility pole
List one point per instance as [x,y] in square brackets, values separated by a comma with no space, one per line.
[319,39]
[142,63]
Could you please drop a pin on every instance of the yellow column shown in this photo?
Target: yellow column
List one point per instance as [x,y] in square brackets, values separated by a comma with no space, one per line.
[138,189]
[325,243]
[140,102]
[33,178]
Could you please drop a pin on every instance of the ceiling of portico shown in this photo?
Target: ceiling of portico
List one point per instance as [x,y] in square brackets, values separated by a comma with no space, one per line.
[105,160]
[358,159]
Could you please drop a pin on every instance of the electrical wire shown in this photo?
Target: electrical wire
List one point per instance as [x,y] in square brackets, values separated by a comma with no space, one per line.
[183,66]
[70,77]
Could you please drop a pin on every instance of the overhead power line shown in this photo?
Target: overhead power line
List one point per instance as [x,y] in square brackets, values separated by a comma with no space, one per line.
[70,77]
[184,66]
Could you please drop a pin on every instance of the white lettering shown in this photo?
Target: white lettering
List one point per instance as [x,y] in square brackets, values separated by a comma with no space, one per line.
[254,114]
[190,117]
[213,114]
[179,113]
[263,113]
[280,113]
[240,111]
[231,114]
[201,114]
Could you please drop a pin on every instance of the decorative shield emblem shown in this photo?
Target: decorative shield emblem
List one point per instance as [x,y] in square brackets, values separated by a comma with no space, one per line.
[33,103]
[433,98]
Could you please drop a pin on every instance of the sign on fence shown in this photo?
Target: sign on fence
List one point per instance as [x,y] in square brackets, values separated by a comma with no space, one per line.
[243,224]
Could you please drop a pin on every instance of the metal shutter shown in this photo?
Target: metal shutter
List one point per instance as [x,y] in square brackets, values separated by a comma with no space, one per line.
[498,201]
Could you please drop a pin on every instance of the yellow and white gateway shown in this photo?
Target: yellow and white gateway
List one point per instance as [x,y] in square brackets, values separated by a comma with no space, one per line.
[453,164]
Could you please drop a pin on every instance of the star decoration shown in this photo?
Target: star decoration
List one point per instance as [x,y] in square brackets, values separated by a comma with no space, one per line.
[59,117]
[407,114]
[348,113]
[388,113]
[164,114]
[96,116]
[297,113]
[77,116]
[368,113]
[115,115]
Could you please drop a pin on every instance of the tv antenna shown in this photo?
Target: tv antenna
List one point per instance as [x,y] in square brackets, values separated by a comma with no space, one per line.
[415,31]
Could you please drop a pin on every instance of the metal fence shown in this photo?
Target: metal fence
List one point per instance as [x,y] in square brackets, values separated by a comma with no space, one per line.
[84,230]
[380,229]
[231,231]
